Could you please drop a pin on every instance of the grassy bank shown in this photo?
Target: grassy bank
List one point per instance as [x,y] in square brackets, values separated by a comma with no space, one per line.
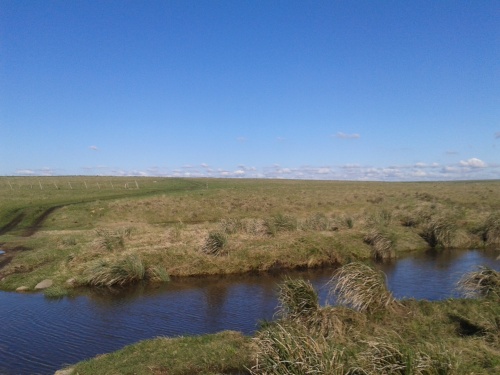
[368,333]
[104,231]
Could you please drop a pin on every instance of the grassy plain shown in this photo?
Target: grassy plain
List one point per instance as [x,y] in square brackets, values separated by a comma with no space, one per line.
[105,231]
[111,231]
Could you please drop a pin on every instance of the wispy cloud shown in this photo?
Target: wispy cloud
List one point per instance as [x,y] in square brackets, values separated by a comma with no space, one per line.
[342,135]
[241,139]
[94,148]
[497,135]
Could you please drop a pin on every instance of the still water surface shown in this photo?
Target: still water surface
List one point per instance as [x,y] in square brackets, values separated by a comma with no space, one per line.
[39,335]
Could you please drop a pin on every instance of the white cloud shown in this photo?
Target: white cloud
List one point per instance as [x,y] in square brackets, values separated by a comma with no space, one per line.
[497,135]
[473,163]
[94,148]
[25,172]
[347,136]
[241,139]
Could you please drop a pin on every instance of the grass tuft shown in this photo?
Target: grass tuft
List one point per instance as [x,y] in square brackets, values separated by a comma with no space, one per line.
[215,243]
[381,245]
[438,232]
[485,282]
[297,298]
[361,287]
[119,273]
[281,223]
[292,351]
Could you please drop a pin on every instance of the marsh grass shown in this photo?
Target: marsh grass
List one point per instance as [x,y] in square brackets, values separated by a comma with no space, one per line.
[485,282]
[291,350]
[118,272]
[215,244]
[297,298]
[490,230]
[381,244]
[317,222]
[112,239]
[157,274]
[438,232]
[269,223]
[281,223]
[361,287]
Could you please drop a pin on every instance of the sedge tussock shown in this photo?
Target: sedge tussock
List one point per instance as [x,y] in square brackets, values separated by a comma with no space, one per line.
[215,243]
[360,287]
[297,298]
[118,273]
[292,351]
[485,282]
[381,245]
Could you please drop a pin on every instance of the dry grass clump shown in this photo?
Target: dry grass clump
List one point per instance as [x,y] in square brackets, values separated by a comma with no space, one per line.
[230,225]
[439,232]
[112,239]
[361,287]
[388,355]
[291,350]
[490,230]
[318,222]
[281,223]
[297,298]
[382,248]
[121,272]
[485,282]
[215,243]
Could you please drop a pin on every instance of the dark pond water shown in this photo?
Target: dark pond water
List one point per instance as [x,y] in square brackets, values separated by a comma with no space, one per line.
[39,335]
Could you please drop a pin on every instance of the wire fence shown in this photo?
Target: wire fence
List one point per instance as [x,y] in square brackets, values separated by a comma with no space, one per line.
[43,184]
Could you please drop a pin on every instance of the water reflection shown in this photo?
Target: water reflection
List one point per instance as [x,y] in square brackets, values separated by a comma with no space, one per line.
[38,335]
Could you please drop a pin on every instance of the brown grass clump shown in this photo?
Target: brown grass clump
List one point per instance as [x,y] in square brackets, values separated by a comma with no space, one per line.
[215,243]
[381,245]
[490,231]
[438,232]
[485,282]
[361,287]
[297,298]
[118,273]
[291,350]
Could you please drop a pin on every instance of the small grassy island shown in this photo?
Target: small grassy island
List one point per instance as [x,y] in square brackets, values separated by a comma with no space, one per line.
[80,232]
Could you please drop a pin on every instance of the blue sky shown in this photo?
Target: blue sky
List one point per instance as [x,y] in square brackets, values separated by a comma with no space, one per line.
[358,90]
